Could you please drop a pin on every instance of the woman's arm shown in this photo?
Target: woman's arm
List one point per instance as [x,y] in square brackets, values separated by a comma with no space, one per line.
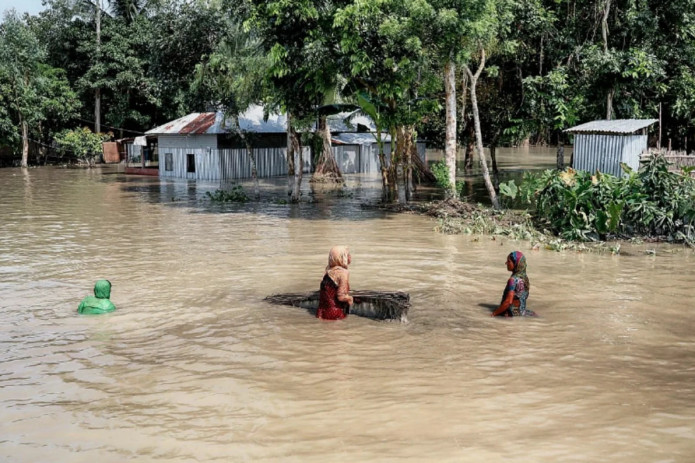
[344,288]
[507,299]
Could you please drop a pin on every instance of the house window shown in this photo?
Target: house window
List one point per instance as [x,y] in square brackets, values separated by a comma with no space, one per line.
[190,163]
[168,162]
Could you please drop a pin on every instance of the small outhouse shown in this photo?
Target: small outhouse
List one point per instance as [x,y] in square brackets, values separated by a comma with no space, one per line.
[604,145]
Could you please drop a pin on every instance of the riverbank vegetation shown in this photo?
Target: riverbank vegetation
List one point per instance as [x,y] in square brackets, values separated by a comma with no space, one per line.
[652,203]
[570,209]
[462,73]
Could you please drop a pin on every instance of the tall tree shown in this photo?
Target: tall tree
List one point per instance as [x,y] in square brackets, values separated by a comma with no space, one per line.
[296,35]
[391,73]
[234,77]
[21,56]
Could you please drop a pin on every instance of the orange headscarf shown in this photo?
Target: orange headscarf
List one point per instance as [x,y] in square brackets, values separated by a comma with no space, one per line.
[338,259]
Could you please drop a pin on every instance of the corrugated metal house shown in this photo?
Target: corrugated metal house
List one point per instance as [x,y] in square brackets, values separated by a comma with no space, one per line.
[358,152]
[207,146]
[603,145]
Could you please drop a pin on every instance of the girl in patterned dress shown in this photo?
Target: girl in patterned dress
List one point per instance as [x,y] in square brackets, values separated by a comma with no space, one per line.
[515,294]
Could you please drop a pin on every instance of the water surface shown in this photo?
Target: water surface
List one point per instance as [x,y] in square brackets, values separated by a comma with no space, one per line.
[195,366]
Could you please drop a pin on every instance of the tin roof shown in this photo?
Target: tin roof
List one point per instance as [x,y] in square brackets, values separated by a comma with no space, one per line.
[616,126]
[252,120]
[362,138]
[349,122]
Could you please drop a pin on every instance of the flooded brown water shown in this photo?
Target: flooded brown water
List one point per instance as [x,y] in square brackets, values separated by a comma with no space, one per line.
[195,366]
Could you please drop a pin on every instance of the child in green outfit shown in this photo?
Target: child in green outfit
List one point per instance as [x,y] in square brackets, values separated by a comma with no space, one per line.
[99,303]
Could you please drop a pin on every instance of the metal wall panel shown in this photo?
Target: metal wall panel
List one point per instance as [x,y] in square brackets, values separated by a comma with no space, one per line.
[187,142]
[606,152]
[365,158]
[270,162]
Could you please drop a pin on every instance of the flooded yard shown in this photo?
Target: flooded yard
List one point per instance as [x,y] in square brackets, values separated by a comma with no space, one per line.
[196,366]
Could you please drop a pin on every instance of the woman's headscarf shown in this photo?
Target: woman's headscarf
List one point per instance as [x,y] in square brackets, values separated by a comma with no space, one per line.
[519,269]
[337,259]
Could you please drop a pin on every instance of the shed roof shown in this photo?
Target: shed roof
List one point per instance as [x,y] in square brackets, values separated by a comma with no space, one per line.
[616,126]
[252,120]
[363,138]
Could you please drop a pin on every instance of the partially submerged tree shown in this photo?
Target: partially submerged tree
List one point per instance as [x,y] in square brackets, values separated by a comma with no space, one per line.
[297,38]
[234,77]
[391,75]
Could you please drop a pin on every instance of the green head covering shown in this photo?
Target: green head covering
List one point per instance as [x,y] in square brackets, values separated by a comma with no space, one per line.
[102,289]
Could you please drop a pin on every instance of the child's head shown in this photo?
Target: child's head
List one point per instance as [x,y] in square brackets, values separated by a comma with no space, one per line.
[102,289]
[516,261]
[339,256]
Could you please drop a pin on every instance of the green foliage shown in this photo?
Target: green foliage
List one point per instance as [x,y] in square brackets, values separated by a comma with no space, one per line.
[509,189]
[441,173]
[235,194]
[580,206]
[21,56]
[81,143]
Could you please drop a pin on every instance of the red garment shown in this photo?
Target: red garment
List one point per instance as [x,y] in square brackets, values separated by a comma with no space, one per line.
[330,308]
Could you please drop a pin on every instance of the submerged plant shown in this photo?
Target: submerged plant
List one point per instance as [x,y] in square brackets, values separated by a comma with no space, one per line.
[235,194]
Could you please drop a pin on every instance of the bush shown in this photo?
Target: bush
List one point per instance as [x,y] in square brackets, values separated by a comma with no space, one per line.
[441,174]
[81,143]
[580,206]
[235,194]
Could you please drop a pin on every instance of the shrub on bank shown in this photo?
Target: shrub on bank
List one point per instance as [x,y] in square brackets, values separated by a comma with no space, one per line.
[575,205]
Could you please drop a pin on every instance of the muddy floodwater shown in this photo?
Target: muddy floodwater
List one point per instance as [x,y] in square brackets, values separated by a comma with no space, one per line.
[196,366]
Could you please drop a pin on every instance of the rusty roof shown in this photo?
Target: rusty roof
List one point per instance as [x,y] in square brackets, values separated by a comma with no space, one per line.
[199,125]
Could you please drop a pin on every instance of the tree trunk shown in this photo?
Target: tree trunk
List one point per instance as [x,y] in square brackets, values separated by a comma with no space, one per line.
[470,147]
[254,169]
[393,168]
[408,153]
[252,156]
[326,167]
[298,167]
[382,166]
[604,26]
[478,132]
[495,171]
[609,104]
[42,152]
[290,155]
[450,141]
[97,92]
[560,153]
[25,141]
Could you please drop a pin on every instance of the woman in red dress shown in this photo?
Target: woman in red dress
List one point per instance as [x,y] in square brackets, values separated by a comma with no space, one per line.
[334,300]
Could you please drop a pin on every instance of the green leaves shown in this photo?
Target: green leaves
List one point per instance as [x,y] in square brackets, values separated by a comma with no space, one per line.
[81,143]
[578,205]
[509,189]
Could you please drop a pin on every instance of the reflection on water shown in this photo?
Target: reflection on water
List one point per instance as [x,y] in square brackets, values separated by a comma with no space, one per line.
[195,366]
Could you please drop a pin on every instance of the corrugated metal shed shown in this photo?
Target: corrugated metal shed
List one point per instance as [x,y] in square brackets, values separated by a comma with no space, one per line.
[605,145]
[616,126]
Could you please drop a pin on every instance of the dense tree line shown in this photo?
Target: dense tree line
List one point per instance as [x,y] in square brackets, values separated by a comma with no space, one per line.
[456,72]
